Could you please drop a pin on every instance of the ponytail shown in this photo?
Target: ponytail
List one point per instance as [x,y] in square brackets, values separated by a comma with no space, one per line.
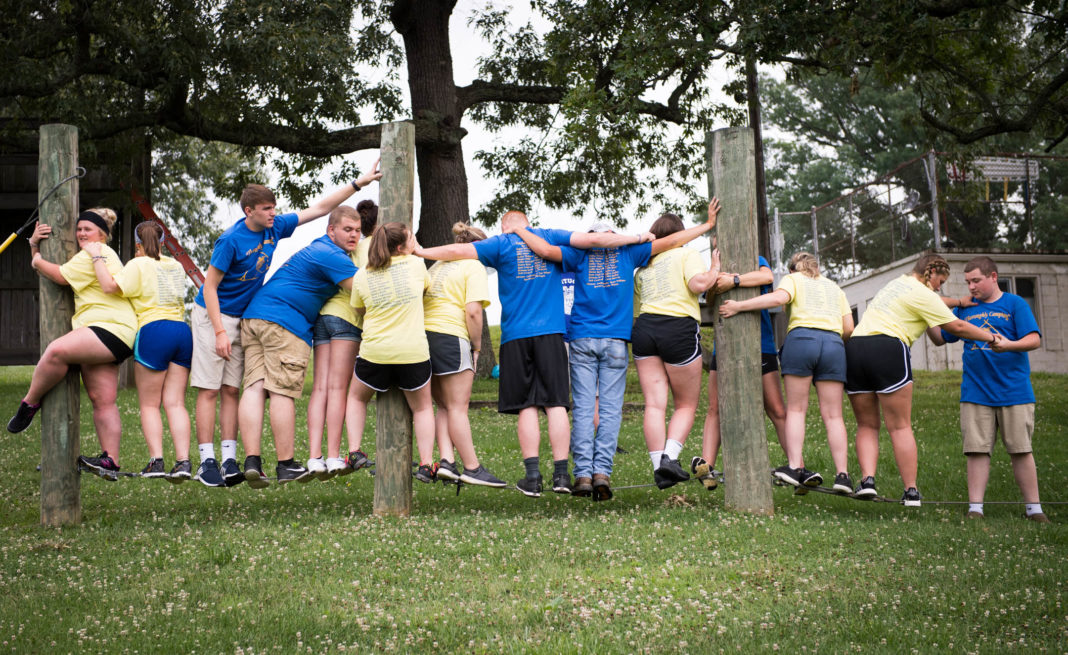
[804,263]
[148,235]
[465,233]
[385,243]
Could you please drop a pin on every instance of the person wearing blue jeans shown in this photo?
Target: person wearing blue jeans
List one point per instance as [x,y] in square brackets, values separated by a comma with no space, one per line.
[599,331]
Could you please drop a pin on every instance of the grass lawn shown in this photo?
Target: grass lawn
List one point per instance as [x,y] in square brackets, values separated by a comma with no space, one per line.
[161,568]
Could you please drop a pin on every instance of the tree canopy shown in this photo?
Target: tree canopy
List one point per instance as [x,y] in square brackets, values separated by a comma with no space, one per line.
[611,90]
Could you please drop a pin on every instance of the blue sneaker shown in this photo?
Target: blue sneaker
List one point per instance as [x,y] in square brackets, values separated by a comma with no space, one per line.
[231,473]
[208,474]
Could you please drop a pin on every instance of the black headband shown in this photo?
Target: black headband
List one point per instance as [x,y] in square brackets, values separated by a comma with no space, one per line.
[95,219]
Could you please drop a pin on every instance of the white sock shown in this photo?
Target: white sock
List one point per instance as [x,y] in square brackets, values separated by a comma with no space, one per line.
[672,449]
[229,449]
[207,451]
[1033,508]
[655,455]
[975,507]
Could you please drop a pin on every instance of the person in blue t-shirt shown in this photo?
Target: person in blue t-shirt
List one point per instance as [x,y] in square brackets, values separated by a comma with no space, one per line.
[239,262]
[276,332]
[533,358]
[601,319]
[704,466]
[995,390]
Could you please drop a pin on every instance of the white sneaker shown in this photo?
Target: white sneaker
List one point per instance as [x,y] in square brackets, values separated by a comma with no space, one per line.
[317,467]
[334,465]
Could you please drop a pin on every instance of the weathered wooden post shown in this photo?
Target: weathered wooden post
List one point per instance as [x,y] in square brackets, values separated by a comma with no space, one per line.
[60,486]
[729,154]
[393,419]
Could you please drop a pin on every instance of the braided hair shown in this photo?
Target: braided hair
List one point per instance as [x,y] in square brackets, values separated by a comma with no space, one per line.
[930,264]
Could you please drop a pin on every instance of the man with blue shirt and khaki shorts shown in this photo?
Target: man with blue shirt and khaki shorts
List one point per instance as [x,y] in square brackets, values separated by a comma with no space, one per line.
[239,263]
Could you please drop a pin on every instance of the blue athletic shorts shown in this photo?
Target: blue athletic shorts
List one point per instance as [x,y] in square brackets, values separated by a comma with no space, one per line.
[161,342]
[819,354]
[329,327]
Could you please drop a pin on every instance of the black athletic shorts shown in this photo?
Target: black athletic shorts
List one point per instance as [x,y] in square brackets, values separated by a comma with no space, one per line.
[877,364]
[674,339]
[381,377]
[534,373]
[449,354]
[769,363]
[116,345]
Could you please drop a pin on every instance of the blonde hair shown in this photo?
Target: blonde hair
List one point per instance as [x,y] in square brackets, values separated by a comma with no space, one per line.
[804,263]
[109,217]
[465,233]
[929,265]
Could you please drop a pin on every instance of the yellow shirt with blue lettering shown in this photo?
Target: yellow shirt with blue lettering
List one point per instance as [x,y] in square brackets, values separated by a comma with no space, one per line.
[904,308]
[815,302]
[661,287]
[452,286]
[393,302]
[156,289]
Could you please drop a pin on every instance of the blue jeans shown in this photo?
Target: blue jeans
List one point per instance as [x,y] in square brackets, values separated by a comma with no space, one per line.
[597,366]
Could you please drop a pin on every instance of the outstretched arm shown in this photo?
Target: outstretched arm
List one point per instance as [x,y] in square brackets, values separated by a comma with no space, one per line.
[586,240]
[775,298]
[330,201]
[539,246]
[450,252]
[688,235]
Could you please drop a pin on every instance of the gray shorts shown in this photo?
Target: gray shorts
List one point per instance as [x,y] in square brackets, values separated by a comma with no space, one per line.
[208,370]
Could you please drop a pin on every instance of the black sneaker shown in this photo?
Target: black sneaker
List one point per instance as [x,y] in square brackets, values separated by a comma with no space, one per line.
[231,473]
[154,469]
[354,462]
[482,477]
[530,486]
[23,417]
[866,488]
[843,484]
[447,471]
[102,465]
[208,474]
[181,472]
[254,473]
[809,478]
[911,497]
[705,473]
[562,483]
[672,469]
[788,475]
[425,473]
[294,472]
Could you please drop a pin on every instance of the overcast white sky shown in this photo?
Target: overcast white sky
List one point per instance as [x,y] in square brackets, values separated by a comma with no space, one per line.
[465,52]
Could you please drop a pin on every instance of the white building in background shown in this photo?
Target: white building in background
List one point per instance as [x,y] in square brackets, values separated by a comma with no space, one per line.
[1040,279]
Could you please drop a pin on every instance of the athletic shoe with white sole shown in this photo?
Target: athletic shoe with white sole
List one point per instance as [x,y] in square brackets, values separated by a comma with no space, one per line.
[866,488]
[336,466]
[425,473]
[790,476]
[317,467]
[154,469]
[809,478]
[356,461]
[530,486]
[102,465]
[254,473]
[231,473]
[843,484]
[480,476]
[292,472]
[911,497]
[181,472]
[208,474]
[447,471]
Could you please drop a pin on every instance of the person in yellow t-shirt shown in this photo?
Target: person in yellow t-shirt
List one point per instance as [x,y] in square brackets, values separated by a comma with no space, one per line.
[394,353]
[879,366]
[336,339]
[452,309]
[666,342]
[813,354]
[163,351]
[101,338]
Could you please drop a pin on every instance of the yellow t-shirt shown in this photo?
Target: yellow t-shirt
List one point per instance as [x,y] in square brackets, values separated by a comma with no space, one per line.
[339,304]
[393,300]
[814,302]
[904,308]
[156,289]
[660,287]
[93,307]
[359,256]
[452,286]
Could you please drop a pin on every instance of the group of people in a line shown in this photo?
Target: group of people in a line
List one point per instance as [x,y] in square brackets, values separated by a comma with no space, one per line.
[374,318]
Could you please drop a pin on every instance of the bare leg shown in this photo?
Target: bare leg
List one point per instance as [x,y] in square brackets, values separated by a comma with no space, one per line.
[342,358]
[102,387]
[897,412]
[422,406]
[829,394]
[250,413]
[317,399]
[149,398]
[1026,474]
[441,421]
[774,407]
[866,411]
[559,432]
[174,404]
[283,425]
[797,388]
[710,433]
[978,475]
[455,394]
[228,412]
[685,383]
[654,382]
[80,346]
[356,415]
[205,415]
[529,432]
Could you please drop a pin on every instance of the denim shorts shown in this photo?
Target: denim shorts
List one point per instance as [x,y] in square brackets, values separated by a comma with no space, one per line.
[328,328]
[816,353]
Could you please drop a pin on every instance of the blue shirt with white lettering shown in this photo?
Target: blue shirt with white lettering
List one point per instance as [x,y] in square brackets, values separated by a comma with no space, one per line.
[604,289]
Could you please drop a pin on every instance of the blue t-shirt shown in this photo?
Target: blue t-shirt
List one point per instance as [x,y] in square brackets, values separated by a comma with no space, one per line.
[990,378]
[604,289]
[532,299]
[767,335]
[296,292]
[244,257]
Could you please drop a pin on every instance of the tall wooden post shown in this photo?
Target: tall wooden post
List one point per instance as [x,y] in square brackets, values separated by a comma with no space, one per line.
[60,486]
[393,419]
[729,154]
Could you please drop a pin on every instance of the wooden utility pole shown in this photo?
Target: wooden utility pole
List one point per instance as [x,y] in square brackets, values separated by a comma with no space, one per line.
[393,419]
[60,486]
[729,155]
[752,94]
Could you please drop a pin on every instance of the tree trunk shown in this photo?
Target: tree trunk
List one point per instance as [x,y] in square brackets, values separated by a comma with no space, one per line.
[424,25]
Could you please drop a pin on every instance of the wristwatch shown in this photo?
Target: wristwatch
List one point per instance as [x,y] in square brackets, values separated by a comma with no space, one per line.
[737,281]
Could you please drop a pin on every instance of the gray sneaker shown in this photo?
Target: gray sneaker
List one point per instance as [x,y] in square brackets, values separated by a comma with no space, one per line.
[480,476]
[181,472]
[154,469]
